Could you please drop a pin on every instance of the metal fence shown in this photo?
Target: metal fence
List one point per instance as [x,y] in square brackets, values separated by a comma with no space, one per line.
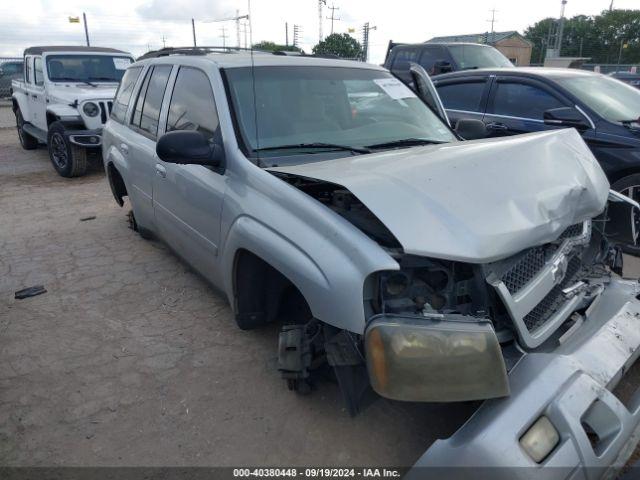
[10,69]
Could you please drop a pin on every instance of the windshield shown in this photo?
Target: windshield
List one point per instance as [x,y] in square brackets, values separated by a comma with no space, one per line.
[319,106]
[86,68]
[612,99]
[478,56]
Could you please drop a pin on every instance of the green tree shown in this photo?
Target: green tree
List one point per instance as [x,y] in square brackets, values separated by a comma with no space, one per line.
[340,44]
[274,47]
[598,37]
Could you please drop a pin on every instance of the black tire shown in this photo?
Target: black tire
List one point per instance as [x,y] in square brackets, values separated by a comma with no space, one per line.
[27,141]
[133,225]
[68,159]
[630,186]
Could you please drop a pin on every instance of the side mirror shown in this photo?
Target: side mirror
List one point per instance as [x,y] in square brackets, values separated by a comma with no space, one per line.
[471,129]
[565,117]
[442,66]
[189,147]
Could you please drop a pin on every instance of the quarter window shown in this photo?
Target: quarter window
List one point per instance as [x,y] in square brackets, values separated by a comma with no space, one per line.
[192,105]
[462,96]
[522,100]
[37,71]
[123,95]
[147,111]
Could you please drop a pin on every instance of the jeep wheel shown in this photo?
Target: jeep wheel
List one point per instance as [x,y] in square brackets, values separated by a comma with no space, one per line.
[27,141]
[68,159]
[629,186]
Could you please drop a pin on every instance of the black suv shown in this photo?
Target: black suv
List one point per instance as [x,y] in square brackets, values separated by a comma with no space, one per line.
[520,100]
[438,58]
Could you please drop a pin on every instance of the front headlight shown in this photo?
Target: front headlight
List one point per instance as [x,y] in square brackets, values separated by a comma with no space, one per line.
[445,358]
[90,109]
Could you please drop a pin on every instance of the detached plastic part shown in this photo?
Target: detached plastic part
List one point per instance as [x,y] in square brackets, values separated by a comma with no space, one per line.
[448,359]
[30,292]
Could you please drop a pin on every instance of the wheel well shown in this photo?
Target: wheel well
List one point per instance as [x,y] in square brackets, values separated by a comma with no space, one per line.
[51,117]
[116,183]
[14,105]
[620,174]
[264,294]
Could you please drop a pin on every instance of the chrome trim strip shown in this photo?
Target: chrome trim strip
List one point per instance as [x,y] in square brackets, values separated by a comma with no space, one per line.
[593,125]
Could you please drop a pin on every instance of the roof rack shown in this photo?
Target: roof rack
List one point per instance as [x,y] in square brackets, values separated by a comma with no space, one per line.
[199,50]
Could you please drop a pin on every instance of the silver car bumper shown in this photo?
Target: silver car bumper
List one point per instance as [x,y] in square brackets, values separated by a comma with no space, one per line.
[563,385]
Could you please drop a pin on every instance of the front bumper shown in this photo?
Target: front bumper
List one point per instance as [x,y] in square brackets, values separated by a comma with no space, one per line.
[85,138]
[562,384]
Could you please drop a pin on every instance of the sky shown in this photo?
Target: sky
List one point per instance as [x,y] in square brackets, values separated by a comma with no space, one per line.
[139,25]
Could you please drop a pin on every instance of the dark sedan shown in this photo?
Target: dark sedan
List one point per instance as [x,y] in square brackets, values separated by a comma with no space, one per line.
[521,100]
[631,78]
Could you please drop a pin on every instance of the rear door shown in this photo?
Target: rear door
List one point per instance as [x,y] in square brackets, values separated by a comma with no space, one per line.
[141,149]
[517,105]
[188,199]
[464,97]
[38,105]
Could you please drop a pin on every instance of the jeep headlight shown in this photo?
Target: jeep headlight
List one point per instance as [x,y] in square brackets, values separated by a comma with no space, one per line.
[90,109]
[441,358]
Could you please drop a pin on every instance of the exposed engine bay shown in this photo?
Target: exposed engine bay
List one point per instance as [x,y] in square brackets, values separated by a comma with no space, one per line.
[529,298]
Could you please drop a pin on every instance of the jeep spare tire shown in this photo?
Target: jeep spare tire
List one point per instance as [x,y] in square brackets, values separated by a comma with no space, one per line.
[68,159]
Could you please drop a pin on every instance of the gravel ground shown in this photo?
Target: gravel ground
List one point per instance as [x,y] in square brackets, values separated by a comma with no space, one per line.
[132,359]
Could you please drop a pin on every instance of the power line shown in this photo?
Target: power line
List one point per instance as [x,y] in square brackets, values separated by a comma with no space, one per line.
[333,8]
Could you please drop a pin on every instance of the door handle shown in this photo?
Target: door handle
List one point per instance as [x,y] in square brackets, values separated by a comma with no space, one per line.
[160,170]
[125,148]
[497,126]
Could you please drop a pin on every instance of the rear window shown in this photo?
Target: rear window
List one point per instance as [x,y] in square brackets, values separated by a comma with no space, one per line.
[123,95]
[462,96]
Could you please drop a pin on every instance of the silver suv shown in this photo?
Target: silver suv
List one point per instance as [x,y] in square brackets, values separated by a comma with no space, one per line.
[327,195]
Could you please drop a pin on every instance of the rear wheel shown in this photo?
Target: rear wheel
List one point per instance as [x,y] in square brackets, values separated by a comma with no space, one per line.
[68,159]
[629,186]
[27,141]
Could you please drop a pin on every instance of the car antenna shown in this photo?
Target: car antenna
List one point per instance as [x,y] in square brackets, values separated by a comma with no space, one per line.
[253,81]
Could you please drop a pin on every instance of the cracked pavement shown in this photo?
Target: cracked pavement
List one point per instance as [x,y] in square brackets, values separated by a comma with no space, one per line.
[131,359]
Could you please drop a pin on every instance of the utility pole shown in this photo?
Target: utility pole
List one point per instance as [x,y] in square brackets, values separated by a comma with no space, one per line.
[365,41]
[492,21]
[86,29]
[164,44]
[224,36]
[320,3]
[333,8]
[296,35]
[193,29]
[611,6]
[620,55]
[286,33]
[560,29]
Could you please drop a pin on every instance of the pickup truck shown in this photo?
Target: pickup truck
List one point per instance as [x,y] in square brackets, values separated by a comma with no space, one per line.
[63,100]
[326,195]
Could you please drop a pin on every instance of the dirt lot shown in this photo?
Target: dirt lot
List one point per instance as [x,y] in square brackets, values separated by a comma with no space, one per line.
[131,359]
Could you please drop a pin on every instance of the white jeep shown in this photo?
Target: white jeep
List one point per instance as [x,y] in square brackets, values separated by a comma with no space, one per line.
[64,99]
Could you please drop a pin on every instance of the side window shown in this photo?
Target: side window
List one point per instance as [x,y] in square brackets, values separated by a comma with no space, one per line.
[404,57]
[192,106]
[462,96]
[37,71]
[27,69]
[522,100]
[429,56]
[123,95]
[147,111]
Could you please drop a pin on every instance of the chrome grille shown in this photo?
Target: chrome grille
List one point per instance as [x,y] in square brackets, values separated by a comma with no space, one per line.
[534,260]
[554,299]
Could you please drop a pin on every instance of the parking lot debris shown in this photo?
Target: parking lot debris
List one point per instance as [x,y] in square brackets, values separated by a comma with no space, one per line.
[85,219]
[30,292]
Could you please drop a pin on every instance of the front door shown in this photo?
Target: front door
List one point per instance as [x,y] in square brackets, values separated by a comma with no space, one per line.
[517,106]
[188,199]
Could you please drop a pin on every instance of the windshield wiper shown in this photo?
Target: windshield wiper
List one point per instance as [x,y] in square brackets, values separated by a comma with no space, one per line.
[69,79]
[315,145]
[405,142]
[103,79]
